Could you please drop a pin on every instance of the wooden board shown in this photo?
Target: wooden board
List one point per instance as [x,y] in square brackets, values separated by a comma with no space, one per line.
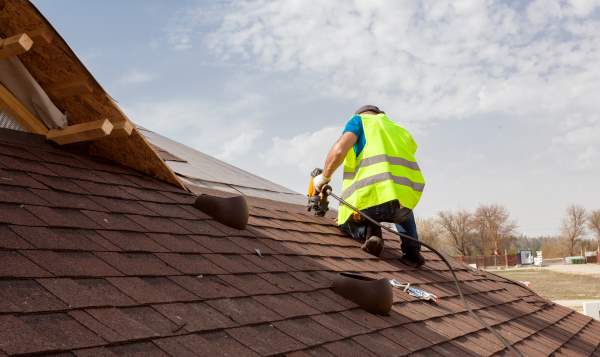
[122,128]
[57,63]
[12,105]
[78,133]
[15,45]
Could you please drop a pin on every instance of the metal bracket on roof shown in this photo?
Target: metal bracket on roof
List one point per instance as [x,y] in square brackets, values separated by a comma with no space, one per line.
[414,292]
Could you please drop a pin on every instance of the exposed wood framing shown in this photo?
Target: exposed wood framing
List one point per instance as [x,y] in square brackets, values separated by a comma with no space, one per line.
[122,129]
[15,45]
[41,36]
[17,110]
[69,89]
[77,133]
[83,98]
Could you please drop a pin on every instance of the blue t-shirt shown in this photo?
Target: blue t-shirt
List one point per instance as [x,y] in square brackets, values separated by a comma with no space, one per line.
[355,126]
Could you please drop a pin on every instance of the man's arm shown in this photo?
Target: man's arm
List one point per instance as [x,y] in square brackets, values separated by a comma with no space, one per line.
[338,152]
[334,159]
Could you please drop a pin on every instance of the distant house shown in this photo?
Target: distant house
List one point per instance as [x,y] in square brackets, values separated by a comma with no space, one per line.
[102,254]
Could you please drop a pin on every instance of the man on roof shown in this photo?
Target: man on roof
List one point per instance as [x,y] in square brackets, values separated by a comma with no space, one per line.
[381,178]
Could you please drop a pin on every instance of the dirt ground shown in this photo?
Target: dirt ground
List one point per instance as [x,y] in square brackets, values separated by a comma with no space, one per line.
[568,289]
[580,269]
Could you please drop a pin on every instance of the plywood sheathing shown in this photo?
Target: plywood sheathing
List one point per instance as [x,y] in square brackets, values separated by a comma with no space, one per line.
[54,64]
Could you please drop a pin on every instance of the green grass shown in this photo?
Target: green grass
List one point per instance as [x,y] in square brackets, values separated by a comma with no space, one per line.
[557,286]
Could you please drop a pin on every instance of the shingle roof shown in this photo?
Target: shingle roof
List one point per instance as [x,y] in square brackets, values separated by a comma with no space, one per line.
[97,259]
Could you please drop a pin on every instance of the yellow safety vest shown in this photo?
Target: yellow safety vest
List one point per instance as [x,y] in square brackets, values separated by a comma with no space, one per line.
[385,170]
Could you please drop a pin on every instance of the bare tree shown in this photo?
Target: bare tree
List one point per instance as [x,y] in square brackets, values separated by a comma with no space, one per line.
[573,227]
[593,224]
[494,227]
[458,226]
[479,225]
[429,231]
[553,247]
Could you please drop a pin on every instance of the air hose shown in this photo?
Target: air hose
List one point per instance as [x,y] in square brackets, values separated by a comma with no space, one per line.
[328,191]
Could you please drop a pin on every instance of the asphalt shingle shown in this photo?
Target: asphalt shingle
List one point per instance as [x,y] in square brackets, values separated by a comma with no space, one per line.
[96,257]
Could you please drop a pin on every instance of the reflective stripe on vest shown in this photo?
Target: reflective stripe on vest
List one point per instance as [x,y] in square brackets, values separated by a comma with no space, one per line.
[381,158]
[385,170]
[379,178]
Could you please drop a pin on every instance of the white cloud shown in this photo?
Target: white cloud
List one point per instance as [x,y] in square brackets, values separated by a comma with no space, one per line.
[427,60]
[184,29]
[541,12]
[136,76]
[301,151]
[224,130]
[583,8]
[431,61]
[291,159]
[581,142]
[240,145]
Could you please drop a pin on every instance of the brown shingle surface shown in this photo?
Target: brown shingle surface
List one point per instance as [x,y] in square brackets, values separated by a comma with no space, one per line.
[16,336]
[140,349]
[62,263]
[348,348]
[195,316]
[207,344]
[86,292]
[126,327]
[207,287]
[20,295]
[10,240]
[56,238]
[15,264]
[244,310]
[265,339]
[307,331]
[96,257]
[64,331]
[137,263]
[146,290]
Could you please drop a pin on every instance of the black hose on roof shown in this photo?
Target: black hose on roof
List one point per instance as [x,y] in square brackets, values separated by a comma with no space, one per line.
[501,338]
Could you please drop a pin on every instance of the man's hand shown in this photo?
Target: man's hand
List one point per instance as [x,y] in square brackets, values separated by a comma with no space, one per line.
[319,181]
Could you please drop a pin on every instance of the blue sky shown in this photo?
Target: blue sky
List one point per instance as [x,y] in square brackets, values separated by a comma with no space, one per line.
[501,96]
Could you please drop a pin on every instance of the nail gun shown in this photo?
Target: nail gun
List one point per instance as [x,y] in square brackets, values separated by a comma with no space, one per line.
[317,201]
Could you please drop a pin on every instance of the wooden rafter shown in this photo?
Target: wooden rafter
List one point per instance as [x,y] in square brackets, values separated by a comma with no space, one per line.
[14,107]
[77,133]
[15,45]
[122,129]
[41,35]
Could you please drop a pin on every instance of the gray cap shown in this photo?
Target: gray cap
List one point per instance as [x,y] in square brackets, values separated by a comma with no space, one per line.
[368,108]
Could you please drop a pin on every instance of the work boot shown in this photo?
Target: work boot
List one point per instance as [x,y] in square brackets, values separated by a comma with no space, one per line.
[373,245]
[413,260]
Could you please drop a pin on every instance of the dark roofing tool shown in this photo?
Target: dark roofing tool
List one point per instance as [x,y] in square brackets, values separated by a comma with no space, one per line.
[317,201]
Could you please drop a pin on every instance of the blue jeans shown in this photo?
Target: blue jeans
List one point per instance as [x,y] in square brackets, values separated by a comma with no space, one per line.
[386,212]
